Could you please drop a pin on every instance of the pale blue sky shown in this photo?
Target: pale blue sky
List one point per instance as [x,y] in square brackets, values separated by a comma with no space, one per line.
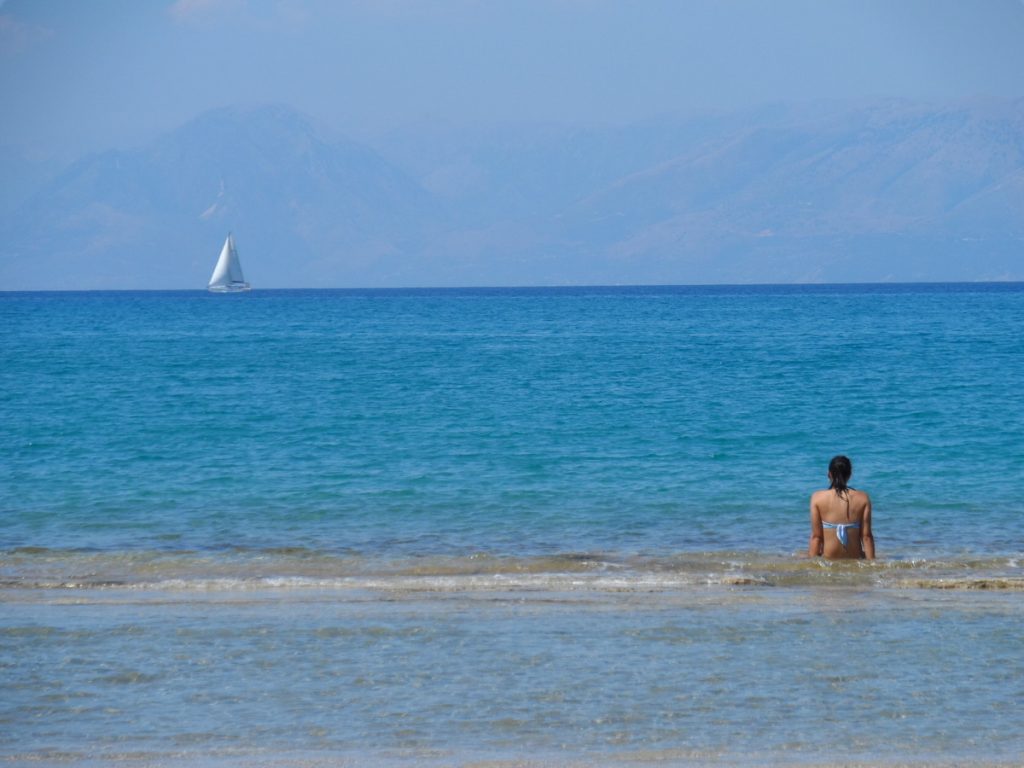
[78,76]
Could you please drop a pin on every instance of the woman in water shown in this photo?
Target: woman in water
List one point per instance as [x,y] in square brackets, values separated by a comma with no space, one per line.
[841,517]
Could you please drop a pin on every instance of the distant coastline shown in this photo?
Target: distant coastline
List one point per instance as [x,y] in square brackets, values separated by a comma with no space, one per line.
[833,191]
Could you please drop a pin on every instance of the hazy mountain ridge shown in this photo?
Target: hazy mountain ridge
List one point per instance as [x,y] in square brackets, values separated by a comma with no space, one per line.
[857,188]
[294,196]
[884,190]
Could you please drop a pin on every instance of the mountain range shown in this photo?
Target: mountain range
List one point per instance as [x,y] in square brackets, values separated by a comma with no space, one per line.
[882,190]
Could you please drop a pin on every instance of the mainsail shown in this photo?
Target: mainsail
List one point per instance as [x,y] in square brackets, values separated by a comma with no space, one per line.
[227,275]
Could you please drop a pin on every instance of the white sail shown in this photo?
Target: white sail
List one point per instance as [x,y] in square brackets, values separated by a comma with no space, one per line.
[227,275]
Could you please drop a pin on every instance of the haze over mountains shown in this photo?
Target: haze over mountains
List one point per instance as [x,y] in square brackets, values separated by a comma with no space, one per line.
[883,190]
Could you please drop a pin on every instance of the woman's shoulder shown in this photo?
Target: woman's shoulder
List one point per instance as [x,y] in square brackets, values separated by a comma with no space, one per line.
[860,500]
[820,497]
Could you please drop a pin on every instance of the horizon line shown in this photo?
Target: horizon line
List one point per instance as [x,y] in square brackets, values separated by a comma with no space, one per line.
[542,287]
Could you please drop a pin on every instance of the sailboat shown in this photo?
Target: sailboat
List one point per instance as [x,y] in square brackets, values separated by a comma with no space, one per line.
[227,275]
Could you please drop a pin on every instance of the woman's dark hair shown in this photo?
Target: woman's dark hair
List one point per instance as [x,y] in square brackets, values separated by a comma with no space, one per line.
[839,471]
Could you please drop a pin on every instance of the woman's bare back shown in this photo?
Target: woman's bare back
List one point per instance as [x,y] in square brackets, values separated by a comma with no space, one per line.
[841,525]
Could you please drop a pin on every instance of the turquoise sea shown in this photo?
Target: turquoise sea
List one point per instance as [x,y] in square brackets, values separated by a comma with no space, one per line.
[492,526]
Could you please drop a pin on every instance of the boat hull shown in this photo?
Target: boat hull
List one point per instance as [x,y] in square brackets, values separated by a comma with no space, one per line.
[229,288]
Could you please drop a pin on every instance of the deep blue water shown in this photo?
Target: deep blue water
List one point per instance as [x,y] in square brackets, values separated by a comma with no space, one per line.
[510,421]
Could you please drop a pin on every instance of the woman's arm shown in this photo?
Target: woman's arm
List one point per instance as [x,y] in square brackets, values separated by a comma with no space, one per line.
[867,539]
[817,543]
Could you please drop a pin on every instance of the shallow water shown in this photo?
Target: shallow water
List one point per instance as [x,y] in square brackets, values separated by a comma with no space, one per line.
[554,525]
[736,674]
